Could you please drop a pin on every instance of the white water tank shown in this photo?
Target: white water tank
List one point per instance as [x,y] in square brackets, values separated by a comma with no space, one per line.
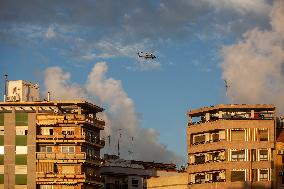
[22,91]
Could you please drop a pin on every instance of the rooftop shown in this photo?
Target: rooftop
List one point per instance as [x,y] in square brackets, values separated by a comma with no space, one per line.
[80,103]
[235,107]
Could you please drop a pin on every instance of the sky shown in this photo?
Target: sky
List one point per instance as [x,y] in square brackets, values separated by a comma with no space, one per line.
[88,50]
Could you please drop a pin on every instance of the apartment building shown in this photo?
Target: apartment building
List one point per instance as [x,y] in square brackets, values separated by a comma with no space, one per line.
[231,146]
[48,144]
[279,156]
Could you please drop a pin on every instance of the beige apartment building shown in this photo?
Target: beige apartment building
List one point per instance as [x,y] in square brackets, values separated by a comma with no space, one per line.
[48,144]
[231,146]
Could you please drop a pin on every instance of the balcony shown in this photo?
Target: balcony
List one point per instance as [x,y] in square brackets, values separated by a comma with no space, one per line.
[48,120]
[51,178]
[203,181]
[216,159]
[214,146]
[257,116]
[196,168]
[70,139]
[60,156]
[68,157]
[64,178]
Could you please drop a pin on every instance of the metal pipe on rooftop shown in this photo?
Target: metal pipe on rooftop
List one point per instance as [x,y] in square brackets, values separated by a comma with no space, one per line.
[48,96]
[5,87]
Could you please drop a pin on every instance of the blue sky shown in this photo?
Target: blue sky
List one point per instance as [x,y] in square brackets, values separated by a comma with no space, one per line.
[187,36]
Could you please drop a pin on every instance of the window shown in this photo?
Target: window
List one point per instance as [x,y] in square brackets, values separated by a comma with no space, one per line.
[47,149]
[199,178]
[1,159]
[1,140]
[21,119]
[21,149]
[238,135]
[134,183]
[1,178]
[116,184]
[67,131]
[263,155]
[253,154]
[21,159]
[21,169]
[216,156]
[21,140]
[254,175]
[263,134]
[1,149]
[22,131]
[1,119]
[1,155]
[200,159]
[199,139]
[47,131]
[68,149]
[2,131]
[238,155]
[263,174]
[20,179]
[238,176]
[215,137]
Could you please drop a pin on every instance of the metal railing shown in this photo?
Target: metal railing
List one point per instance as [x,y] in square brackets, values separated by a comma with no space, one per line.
[59,156]
[69,119]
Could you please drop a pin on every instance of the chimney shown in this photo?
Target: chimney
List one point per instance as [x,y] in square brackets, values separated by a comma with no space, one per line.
[5,87]
[48,96]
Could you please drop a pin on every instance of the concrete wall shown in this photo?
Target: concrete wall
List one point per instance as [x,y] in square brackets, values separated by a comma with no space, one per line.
[9,147]
[171,181]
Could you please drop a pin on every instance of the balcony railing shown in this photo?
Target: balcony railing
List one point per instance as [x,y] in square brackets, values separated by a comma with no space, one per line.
[218,159]
[235,117]
[46,120]
[60,175]
[59,156]
[70,138]
[68,156]
[67,178]
[203,181]
[208,141]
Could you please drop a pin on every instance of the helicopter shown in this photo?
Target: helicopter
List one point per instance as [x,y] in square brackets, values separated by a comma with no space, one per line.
[146,55]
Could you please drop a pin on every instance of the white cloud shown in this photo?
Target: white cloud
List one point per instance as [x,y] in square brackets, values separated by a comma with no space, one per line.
[254,67]
[121,116]
[242,6]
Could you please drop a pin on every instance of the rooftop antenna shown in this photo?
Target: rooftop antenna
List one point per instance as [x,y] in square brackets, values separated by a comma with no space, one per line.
[118,152]
[108,140]
[226,86]
[130,152]
[5,87]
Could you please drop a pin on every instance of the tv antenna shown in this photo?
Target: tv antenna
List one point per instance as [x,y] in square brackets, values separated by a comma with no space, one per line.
[226,86]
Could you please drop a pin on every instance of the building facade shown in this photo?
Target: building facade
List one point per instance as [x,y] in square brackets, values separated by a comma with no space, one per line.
[123,174]
[231,146]
[168,180]
[50,144]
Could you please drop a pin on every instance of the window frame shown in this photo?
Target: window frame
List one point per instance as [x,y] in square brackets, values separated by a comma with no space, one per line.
[239,170]
[68,149]
[238,155]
